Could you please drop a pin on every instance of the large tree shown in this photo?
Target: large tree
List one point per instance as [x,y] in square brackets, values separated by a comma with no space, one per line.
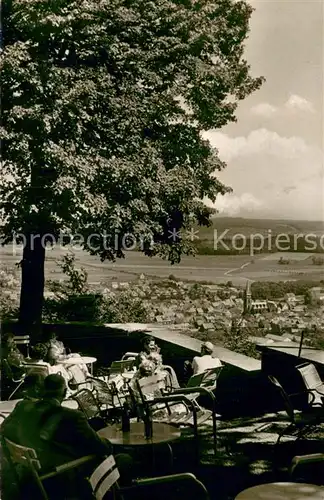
[104,105]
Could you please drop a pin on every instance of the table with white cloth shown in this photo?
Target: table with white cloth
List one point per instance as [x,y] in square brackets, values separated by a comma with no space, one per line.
[80,360]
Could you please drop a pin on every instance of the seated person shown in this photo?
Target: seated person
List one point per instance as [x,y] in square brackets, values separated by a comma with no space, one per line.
[55,367]
[145,369]
[39,354]
[14,357]
[205,360]
[58,434]
[57,351]
[52,342]
[151,352]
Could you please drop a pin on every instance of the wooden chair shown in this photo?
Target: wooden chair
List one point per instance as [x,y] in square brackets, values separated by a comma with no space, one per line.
[172,382]
[109,399]
[106,475]
[87,403]
[312,382]
[27,457]
[37,368]
[300,423]
[150,390]
[305,459]
[207,379]
[23,340]
[128,355]
[10,376]
[119,367]
[79,378]
[106,393]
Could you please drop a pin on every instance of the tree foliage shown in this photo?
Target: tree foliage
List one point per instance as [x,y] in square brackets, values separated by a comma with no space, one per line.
[104,105]
[277,289]
[96,136]
[8,293]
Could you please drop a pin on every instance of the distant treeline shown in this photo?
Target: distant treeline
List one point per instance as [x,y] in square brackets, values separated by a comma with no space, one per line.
[252,246]
[275,290]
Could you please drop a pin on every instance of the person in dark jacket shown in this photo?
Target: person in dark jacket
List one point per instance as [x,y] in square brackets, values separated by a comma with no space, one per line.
[59,435]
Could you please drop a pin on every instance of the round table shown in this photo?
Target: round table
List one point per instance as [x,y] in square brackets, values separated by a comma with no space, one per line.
[162,434]
[70,403]
[6,407]
[82,360]
[283,491]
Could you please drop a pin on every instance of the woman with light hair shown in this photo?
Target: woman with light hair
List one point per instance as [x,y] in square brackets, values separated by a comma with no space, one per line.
[145,369]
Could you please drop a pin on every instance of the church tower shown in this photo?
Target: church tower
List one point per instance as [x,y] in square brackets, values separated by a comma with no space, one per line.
[247,298]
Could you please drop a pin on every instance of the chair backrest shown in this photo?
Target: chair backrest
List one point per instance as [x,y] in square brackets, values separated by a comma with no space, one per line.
[104,478]
[310,376]
[207,379]
[87,403]
[23,455]
[172,379]
[128,355]
[77,373]
[26,457]
[121,366]
[7,369]
[37,368]
[287,401]
[105,393]
[22,339]
[149,387]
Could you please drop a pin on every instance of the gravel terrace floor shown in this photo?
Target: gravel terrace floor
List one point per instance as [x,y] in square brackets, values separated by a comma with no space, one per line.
[245,455]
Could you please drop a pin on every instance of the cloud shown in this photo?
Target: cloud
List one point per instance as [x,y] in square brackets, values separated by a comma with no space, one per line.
[271,175]
[264,109]
[232,205]
[294,104]
[297,103]
[260,141]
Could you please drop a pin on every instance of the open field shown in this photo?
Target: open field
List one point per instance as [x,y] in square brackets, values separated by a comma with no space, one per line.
[211,268]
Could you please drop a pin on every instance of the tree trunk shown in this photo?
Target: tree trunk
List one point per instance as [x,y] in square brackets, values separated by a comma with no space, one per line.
[32,286]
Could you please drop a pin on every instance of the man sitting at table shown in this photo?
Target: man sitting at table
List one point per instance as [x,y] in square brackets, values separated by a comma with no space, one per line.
[205,360]
[57,434]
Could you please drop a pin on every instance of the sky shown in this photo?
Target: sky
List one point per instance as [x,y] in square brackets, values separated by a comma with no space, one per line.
[274,153]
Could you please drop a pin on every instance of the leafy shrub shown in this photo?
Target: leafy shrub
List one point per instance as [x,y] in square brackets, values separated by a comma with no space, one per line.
[9,296]
[237,340]
[74,301]
[318,261]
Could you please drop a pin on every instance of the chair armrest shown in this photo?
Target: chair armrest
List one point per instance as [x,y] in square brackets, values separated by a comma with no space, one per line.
[172,398]
[306,391]
[130,355]
[174,478]
[68,466]
[305,459]
[200,390]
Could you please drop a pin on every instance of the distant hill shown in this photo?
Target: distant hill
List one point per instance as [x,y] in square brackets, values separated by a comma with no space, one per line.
[310,235]
[236,225]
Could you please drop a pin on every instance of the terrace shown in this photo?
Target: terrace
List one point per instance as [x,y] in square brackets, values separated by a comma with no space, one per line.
[251,415]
